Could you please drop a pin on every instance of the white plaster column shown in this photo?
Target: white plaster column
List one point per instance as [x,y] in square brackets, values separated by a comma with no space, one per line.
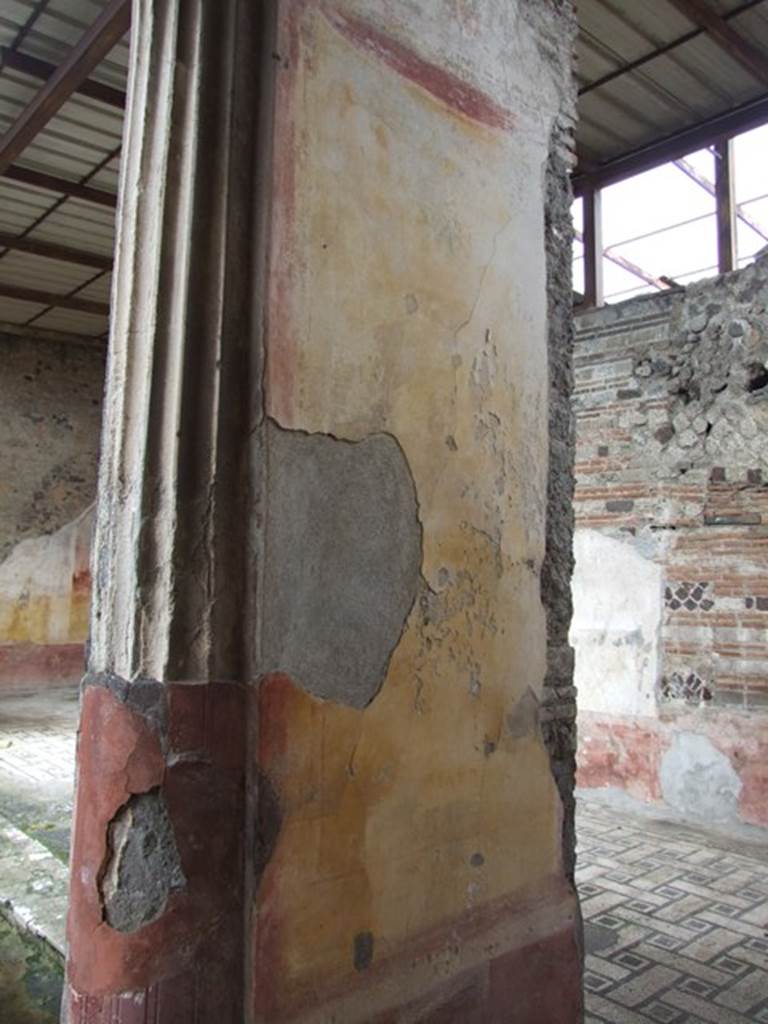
[155,925]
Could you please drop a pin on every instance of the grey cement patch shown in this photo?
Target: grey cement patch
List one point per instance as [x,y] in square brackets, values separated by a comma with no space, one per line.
[598,936]
[699,781]
[342,561]
[142,867]
[523,719]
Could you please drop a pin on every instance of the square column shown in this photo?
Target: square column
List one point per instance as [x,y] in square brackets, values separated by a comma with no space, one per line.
[326,754]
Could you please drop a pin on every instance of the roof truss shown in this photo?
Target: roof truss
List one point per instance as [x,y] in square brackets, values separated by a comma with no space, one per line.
[108,29]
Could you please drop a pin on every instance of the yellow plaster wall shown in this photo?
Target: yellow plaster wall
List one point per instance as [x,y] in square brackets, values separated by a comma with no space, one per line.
[407,295]
[45,587]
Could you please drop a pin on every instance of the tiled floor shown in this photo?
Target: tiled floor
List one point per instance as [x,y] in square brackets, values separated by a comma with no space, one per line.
[37,765]
[675,923]
[676,919]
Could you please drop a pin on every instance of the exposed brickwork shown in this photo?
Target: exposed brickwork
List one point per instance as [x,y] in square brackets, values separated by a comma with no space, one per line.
[671,404]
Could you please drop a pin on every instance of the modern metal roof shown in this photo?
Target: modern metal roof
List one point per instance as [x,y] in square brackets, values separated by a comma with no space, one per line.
[662,78]
[651,76]
[79,144]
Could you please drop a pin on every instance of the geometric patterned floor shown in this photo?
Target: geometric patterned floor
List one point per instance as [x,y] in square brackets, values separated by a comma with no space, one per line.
[676,928]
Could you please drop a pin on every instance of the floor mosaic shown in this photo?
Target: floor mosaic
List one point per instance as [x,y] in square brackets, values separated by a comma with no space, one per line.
[676,927]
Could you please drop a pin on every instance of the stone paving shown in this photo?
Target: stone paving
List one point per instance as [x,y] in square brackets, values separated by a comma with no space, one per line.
[37,765]
[676,918]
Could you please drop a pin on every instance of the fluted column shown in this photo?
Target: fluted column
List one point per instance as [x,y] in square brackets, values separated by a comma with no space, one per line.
[155,925]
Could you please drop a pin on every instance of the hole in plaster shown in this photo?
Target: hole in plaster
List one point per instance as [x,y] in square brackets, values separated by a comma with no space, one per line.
[757,377]
[142,865]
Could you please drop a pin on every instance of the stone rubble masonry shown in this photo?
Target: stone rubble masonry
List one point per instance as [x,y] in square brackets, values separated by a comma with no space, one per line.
[671,404]
[558,709]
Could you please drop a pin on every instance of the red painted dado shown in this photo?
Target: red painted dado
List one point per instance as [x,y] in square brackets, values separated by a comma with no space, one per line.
[743,738]
[621,753]
[626,754]
[37,667]
[536,983]
[519,988]
[188,962]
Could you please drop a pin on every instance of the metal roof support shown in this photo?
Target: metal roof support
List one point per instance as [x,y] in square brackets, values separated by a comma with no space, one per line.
[36,68]
[742,119]
[735,45]
[593,248]
[10,291]
[106,31]
[52,183]
[726,206]
[706,184]
[52,251]
[634,65]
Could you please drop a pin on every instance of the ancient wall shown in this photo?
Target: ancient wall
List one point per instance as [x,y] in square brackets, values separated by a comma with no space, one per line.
[670,590]
[51,396]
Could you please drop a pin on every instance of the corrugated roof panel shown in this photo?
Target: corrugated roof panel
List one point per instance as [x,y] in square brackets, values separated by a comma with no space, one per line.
[78,141]
[82,134]
[83,220]
[98,290]
[15,197]
[99,245]
[15,311]
[627,30]
[108,177]
[13,15]
[86,324]
[723,6]
[596,138]
[59,29]
[91,118]
[75,141]
[681,78]
[15,94]
[705,58]
[692,83]
[27,271]
[77,237]
[614,129]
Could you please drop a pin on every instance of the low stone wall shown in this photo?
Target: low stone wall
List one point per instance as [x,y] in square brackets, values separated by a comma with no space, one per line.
[51,396]
[671,589]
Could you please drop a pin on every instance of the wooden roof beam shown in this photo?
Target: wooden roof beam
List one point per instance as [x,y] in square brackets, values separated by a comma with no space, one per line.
[36,68]
[101,37]
[727,38]
[53,251]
